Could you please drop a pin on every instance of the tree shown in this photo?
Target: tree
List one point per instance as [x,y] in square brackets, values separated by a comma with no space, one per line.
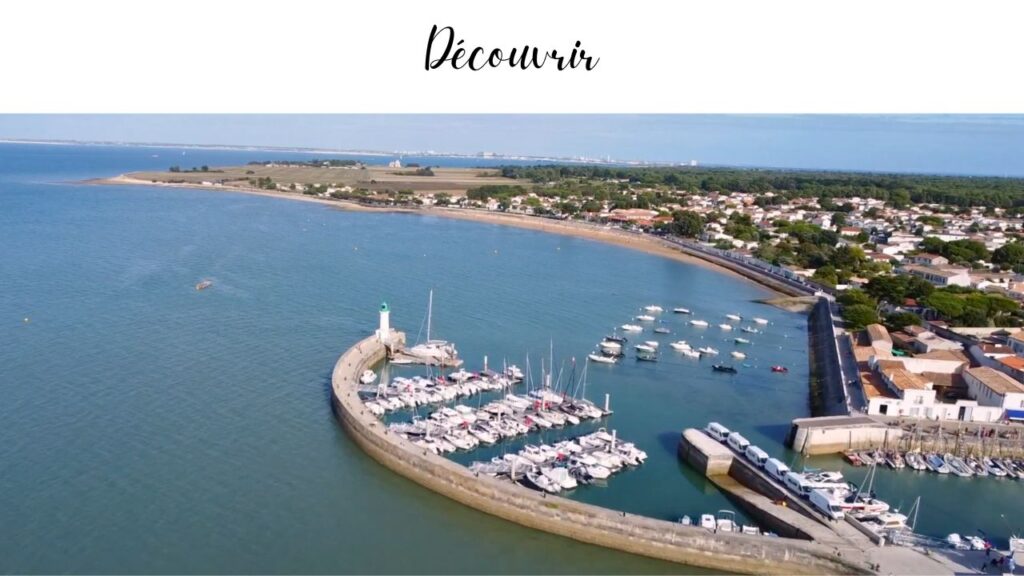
[855,296]
[900,320]
[858,316]
[838,219]
[826,275]
[933,245]
[947,304]
[1009,255]
[687,224]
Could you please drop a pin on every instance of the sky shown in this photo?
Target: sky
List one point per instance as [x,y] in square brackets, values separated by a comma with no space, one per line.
[940,144]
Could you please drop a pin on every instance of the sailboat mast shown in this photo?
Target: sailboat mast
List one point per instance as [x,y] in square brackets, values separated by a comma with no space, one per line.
[430,308]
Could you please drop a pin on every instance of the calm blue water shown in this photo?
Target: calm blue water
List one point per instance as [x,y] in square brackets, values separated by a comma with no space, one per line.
[149,427]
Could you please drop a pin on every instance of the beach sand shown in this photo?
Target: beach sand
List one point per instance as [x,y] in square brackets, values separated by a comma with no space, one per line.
[611,235]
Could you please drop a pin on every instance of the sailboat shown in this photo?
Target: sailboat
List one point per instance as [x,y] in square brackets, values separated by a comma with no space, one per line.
[434,351]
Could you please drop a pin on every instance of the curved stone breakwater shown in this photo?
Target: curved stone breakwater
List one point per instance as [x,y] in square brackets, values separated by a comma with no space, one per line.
[659,539]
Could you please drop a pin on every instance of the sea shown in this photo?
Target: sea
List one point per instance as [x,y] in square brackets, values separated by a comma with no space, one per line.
[150,428]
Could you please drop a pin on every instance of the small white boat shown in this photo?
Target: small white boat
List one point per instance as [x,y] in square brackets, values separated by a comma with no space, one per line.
[707,350]
[662,330]
[734,317]
[725,326]
[601,359]
[700,323]
[760,321]
[654,309]
[612,348]
[680,345]
[681,310]
[631,328]
[652,343]
[645,352]
[368,377]
[707,521]
[738,354]
[750,330]
[690,353]
[742,341]
[645,318]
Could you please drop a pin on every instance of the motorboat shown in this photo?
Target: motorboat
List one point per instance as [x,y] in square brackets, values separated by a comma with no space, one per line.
[707,350]
[737,354]
[368,377]
[538,481]
[750,330]
[734,317]
[690,353]
[514,372]
[204,285]
[723,368]
[686,521]
[725,326]
[781,369]
[645,352]
[708,521]
[601,358]
[915,461]
[662,330]
[615,338]
[611,348]
[560,477]
[654,309]
[761,321]
[652,343]
[645,318]
[741,341]
[631,328]
[976,467]
[725,521]
[992,468]
[701,323]
[958,466]
[681,310]
[680,345]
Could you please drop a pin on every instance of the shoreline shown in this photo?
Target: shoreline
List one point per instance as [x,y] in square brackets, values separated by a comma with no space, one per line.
[643,243]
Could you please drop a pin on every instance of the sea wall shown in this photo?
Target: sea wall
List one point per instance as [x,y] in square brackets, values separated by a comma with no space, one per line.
[583,522]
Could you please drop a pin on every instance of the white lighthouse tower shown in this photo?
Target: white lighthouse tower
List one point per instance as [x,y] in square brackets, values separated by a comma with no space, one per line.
[384,331]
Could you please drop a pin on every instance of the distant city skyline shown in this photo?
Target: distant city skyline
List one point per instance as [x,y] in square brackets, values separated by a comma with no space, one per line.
[990,145]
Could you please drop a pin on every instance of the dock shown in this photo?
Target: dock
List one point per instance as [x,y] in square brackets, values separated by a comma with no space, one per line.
[760,496]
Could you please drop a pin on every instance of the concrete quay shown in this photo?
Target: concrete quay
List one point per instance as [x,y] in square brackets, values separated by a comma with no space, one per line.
[689,545]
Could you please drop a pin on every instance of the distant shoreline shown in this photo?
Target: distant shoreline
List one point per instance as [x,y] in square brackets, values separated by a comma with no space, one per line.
[644,243]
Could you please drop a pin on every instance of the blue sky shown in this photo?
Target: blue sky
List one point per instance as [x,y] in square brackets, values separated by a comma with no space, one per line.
[956,144]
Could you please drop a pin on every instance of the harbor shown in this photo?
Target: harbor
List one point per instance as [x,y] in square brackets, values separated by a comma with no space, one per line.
[646,536]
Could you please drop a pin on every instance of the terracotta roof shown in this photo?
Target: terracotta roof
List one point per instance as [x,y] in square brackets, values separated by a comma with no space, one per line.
[956,355]
[878,332]
[901,379]
[995,380]
[1015,362]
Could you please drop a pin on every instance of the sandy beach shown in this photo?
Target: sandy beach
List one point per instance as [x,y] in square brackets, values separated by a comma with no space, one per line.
[610,235]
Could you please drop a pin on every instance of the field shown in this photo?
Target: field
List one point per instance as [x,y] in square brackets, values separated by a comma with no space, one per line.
[454,181]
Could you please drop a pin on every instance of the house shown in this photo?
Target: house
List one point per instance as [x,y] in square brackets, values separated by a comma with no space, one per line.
[879,337]
[941,276]
[913,395]
[1012,365]
[991,387]
[1016,343]
[395,164]
[929,260]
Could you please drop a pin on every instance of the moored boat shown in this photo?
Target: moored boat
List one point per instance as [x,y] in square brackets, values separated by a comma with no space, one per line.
[723,368]
[725,326]
[662,330]
[701,323]
[632,328]
[368,377]
[204,285]
[781,369]
[737,354]
[707,350]
[681,310]
[645,352]
[653,308]
[734,317]
[741,341]
[680,345]
[761,321]
[644,318]
[601,358]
